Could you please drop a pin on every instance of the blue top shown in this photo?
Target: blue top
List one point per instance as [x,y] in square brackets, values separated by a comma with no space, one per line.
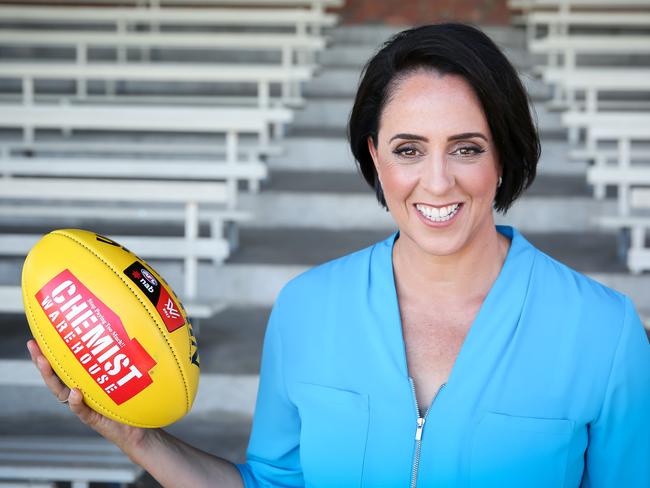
[551,387]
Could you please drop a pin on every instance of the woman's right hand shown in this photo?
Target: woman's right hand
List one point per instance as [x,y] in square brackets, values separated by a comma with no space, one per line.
[124,436]
[171,461]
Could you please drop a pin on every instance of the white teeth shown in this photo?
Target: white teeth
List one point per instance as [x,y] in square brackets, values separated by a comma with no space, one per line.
[436,214]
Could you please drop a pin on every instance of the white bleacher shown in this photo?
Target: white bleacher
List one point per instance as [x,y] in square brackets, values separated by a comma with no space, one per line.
[263,76]
[572,46]
[563,51]
[560,22]
[623,129]
[613,125]
[566,5]
[138,168]
[105,195]
[288,45]
[302,22]
[592,81]
[616,130]
[78,460]
[233,122]
[132,155]
[104,118]
[637,224]
[312,4]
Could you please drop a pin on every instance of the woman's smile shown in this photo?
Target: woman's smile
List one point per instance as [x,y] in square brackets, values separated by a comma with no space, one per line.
[438,215]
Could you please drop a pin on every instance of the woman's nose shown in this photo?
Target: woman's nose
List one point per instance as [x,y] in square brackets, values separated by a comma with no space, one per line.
[437,177]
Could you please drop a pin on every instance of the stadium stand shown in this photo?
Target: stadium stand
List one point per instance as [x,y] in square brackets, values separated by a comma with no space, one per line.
[163,144]
[314,208]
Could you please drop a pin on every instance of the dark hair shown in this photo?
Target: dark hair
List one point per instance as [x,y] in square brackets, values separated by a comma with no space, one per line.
[465,51]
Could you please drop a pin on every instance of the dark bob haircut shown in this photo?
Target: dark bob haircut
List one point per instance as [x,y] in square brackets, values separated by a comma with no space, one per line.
[460,50]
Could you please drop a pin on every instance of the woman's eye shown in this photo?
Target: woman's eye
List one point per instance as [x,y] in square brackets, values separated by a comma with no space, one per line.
[406,151]
[468,150]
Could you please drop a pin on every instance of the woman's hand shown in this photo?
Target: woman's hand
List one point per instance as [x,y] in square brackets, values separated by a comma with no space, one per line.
[168,459]
[124,436]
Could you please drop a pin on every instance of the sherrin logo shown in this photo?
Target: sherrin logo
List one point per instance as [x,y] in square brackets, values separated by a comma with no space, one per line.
[96,337]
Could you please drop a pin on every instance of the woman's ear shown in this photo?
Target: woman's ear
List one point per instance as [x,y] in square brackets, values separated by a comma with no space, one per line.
[372,149]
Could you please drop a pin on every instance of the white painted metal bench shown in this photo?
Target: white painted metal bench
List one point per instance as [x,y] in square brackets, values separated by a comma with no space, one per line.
[301,21]
[146,119]
[593,81]
[638,225]
[142,168]
[261,75]
[248,149]
[77,460]
[569,47]
[318,5]
[289,45]
[623,128]
[106,195]
[26,484]
[560,23]
[312,4]
[567,5]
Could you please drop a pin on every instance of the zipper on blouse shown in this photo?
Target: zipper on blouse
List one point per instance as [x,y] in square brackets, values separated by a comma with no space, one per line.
[418,432]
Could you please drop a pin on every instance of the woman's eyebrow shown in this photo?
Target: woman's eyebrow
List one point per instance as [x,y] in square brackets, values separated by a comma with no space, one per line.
[455,137]
[467,135]
[414,137]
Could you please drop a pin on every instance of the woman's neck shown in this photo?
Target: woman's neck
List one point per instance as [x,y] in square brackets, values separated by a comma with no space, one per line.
[468,273]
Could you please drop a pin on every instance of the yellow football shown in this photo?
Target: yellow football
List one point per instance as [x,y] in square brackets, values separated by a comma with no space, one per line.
[111,326]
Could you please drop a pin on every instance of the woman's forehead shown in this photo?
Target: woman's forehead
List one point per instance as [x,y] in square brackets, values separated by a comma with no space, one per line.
[426,100]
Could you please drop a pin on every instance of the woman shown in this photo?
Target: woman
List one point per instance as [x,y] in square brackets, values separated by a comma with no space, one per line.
[453,353]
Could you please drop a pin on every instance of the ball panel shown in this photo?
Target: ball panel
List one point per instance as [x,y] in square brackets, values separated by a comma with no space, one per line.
[91,283]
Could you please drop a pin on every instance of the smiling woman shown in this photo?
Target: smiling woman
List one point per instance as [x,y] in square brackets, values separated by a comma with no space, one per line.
[453,353]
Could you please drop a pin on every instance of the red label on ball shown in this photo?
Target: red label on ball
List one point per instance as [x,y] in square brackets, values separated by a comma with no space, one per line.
[96,337]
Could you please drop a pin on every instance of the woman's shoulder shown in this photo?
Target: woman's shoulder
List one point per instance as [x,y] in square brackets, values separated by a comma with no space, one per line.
[589,305]
[565,281]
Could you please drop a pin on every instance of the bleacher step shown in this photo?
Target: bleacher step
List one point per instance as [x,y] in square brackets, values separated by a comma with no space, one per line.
[343,81]
[333,112]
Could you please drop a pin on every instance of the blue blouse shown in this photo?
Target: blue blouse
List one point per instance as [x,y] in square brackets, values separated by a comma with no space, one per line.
[551,387]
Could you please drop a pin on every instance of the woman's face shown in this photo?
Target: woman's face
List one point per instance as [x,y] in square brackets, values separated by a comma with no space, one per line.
[437,163]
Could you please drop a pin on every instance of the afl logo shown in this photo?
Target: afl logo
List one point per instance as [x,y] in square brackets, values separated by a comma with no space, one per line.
[150,278]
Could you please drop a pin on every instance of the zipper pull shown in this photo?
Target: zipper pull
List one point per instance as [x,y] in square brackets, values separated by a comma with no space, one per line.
[418,431]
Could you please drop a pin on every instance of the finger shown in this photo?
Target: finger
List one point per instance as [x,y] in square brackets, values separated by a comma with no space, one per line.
[53,382]
[56,386]
[84,412]
[34,349]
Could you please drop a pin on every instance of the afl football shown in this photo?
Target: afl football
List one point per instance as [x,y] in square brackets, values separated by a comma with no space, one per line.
[112,327]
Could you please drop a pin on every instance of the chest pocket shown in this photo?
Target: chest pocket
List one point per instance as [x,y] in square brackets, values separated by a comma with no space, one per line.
[509,451]
[334,429]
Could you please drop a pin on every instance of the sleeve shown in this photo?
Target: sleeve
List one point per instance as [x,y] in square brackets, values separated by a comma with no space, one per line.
[272,458]
[619,439]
